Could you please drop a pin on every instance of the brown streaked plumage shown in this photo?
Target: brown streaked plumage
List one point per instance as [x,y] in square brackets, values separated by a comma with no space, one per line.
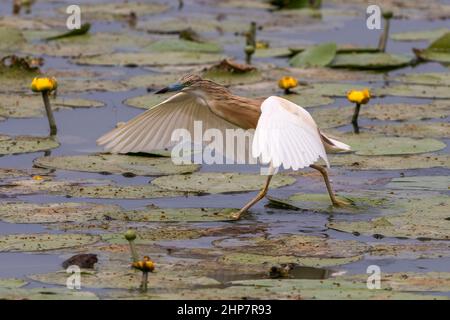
[286,134]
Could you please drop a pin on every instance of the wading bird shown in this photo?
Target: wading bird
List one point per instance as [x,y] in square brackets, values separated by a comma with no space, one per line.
[285,134]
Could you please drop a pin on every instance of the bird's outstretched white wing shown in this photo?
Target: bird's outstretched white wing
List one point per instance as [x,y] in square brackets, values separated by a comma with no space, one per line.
[287,135]
[152,130]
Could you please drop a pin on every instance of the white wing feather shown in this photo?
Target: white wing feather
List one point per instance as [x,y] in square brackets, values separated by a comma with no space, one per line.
[152,130]
[287,135]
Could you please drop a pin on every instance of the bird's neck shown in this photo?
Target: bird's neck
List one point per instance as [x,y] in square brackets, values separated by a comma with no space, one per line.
[241,111]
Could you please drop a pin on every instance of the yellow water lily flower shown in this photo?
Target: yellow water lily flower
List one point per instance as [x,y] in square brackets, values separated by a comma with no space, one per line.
[287,83]
[37,178]
[360,97]
[40,84]
[145,265]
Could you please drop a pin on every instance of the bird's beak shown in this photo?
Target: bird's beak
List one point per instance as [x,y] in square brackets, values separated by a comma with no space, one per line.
[171,88]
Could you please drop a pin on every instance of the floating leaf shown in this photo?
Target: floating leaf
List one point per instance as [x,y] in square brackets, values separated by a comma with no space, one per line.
[423,218]
[429,78]
[404,162]
[316,56]
[372,145]
[43,242]
[272,53]
[370,60]
[438,51]
[45,294]
[427,183]
[21,212]
[331,89]
[117,164]
[415,91]
[212,182]
[426,35]
[415,130]
[147,101]
[155,81]
[12,283]
[152,214]
[12,40]
[25,144]
[177,45]
[229,78]
[13,106]
[148,236]
[308,100]
[150,59]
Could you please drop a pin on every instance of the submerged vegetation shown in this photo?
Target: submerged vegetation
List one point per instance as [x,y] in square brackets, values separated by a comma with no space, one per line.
[124,209]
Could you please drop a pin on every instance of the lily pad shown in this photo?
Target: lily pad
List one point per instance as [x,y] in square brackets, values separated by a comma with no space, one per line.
[177,45]
[423,218]
[403,162]
[150,59]
[149,236]
[340,116]
[372,145]
[430,78]
[227,78]
[415,91]
[415,250]
[25,144]
[12,40]
[15,79]
[370,60]
[212,182]
[147,101]
[316,56]
[152,214]
[425,35]
[153,80]
[425,183]
[415,130]
[272,53]
[45,294]
[331,89]
[438,51]
[322,203]
[12,283]
[197,23]
[147,191]
[308,100]
[43,242]
[21,212]
[13,106]
[117,164]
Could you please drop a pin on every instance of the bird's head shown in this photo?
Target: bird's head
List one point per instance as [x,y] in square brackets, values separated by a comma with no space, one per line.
[187,81]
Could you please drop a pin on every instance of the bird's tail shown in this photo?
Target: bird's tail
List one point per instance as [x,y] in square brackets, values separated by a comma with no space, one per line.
[332,145]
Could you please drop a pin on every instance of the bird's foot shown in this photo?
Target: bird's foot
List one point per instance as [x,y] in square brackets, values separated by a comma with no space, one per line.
[237,215]
[342,202]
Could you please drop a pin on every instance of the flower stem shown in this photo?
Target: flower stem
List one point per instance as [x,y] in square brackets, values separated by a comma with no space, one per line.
[355,118]
[134,254]
[144,283]
[50,117]
[384,36]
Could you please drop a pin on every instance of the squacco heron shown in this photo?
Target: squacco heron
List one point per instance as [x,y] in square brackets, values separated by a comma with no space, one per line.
[285,134]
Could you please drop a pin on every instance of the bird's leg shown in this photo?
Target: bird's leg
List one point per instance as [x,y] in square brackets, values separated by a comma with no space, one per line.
[261,194]
[355,118]
[334,200]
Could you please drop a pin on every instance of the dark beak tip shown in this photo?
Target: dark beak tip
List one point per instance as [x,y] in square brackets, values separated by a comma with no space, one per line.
[163,90]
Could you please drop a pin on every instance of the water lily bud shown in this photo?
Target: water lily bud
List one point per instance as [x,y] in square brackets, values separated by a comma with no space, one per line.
[249,49]
[387,14]
[145,265]
[130,235]
[41,84]
[287,83]
[360,97]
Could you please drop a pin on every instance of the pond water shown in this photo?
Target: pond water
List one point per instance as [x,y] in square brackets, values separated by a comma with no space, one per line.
[78,130]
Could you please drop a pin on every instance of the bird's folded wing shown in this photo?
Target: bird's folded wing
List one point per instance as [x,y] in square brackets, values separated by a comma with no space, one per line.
[152,130]
[287,135]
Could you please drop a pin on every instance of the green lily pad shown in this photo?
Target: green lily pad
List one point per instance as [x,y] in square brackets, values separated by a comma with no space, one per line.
[21,212]
[12,40]
[152,80]
[414,251]
[228,78]
[177,45]
[331,89]
[8,173]
[152,214]
[422,218]
[45,294]
[415,130]
[150,59]
[25,144]
[116,11]
[272,53]
[12,283]
[425,35]
[13,106]
[439,50]
[212,182]
[340,116]
[258,259]
[322,203]
[147,101]
[117,164]
[372,145]
[198,24]
[16,79]
[87,45]
[370,60]
[430,78]
[307,100]
[403,162]
[69,85]
[426,183]
[316,56]
[43,242]
[415,91]
[148,236]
